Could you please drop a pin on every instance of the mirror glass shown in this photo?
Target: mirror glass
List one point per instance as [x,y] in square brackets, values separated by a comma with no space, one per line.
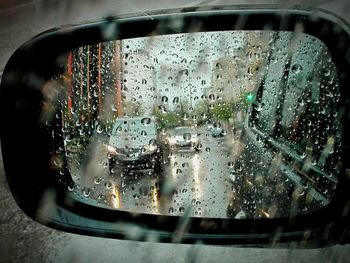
[233,124]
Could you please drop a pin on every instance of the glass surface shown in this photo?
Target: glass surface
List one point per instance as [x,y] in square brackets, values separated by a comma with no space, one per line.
[234,124]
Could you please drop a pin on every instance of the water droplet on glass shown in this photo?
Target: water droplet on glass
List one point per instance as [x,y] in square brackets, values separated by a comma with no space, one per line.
[113,108]
[185,165]
[163,109]
[211,97]
[99,129]
[86,191]
[146,121]
[296,68]
[101,197]
[165,99]
[250,71]
[97,180]
[185,116]
[176,100]
[258,108]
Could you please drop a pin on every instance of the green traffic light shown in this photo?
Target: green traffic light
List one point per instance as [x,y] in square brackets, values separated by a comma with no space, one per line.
[250,97]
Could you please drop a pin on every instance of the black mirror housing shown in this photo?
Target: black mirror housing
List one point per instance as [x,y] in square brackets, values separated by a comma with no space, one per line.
[36,168]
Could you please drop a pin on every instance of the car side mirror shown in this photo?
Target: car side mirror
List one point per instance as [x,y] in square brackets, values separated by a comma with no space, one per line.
[286,179]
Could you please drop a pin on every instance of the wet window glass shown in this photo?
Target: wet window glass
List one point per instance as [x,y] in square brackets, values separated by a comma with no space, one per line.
[234,124]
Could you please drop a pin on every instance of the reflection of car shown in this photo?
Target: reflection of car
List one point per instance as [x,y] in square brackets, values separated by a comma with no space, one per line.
[134,144]
[216,129]
[184,138]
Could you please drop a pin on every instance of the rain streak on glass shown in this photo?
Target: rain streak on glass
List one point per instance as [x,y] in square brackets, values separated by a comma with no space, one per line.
[235,124]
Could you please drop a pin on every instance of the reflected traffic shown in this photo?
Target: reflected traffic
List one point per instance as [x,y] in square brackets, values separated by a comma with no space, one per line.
[187,181]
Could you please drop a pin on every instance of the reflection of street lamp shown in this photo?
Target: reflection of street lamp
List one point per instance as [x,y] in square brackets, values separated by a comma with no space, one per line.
[190,91]
[196,168]
[116,197]
[155,197]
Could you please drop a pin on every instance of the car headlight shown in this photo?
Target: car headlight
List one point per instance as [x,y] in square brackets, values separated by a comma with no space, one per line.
[111,150]
[194,139]
[171,140]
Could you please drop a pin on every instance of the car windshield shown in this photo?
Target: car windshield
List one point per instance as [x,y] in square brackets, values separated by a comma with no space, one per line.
[132,132]
[183,130]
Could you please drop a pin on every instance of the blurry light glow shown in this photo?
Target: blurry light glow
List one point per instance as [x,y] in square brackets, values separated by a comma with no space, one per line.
[196,168]
[116,201]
